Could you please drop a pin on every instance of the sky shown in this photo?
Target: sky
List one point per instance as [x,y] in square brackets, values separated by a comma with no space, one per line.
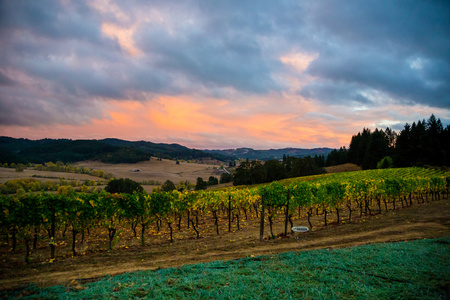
[222,74]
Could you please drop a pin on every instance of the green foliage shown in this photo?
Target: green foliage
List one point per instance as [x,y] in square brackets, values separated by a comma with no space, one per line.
[249,172]
[124,155]
[123,186]
[20,167]
[213,180]
[69,168]
[107,150]
[333,191]
[274,194]
[274,170]
[255,172]
[335,157]
[201,184]
[168,186]
[27,185]
[297,167]
[418,144]
[225,178]
[385,163]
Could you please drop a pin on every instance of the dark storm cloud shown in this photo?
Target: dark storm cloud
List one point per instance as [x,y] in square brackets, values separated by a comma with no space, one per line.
[336,93]
[220,44]
[50,19]
[231,61]
[399,48]
[5,80]
[55,59]
[35,108]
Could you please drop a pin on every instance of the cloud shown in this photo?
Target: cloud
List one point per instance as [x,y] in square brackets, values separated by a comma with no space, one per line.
[51,19]
[371,45]
[280,65]
[5,80]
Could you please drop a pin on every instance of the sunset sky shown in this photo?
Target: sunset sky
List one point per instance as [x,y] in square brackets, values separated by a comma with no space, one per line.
[221,74]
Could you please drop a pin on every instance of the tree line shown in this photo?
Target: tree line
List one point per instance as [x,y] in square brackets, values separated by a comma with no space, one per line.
[426,142]
[255,172]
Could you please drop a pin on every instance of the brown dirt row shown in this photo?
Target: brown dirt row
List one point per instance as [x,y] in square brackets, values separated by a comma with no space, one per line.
[429,220]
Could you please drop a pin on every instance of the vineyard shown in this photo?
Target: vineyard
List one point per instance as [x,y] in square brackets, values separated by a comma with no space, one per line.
[43,218]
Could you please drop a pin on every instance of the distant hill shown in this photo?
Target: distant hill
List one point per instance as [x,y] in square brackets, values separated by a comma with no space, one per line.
[122,151]
[106,150]
[251,154]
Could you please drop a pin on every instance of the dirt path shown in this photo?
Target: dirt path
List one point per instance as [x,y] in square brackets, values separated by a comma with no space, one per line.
[429,220]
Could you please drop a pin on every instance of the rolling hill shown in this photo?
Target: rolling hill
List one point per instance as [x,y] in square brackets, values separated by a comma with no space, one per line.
[121,151]
[251,154]
[106,150]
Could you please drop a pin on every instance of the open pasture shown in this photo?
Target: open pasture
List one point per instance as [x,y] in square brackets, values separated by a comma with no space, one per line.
[156,170]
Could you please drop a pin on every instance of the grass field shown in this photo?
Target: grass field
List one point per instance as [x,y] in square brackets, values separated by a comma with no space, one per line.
[404,270]
[156,170]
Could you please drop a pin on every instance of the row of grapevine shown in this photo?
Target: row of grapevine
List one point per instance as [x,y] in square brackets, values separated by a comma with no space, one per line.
[25,216]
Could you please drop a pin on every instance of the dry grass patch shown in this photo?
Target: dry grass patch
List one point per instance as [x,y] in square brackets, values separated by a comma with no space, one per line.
[349,167]
[156,170]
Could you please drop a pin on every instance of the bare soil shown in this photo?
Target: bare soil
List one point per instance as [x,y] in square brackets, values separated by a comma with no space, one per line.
[428,220]
[348,167]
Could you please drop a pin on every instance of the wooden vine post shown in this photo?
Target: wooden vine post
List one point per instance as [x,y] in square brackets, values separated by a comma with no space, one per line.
[229,213]
[52,230]
[287,213]
[261,228]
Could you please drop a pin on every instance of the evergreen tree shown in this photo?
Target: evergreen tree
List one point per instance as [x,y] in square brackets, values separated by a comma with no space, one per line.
[418,144]
[320,160]
[376,149]
[353,148]
[434,143]
[391,137]
[336,157]
[445,138]
[403,149]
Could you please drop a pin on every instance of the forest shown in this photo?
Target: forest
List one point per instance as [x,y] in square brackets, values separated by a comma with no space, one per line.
[422,143]
[107,150]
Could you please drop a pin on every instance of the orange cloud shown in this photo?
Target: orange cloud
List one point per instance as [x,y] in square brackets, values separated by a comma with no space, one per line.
[298,60]
[219,123]
[124,37]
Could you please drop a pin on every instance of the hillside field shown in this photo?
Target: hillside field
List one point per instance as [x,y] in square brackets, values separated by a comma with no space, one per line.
[422,218]
[152,170]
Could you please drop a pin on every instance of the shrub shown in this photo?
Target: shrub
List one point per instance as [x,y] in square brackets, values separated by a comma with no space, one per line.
[121,185]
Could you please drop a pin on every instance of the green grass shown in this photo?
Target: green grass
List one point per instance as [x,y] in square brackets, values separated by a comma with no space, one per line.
[406,270]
